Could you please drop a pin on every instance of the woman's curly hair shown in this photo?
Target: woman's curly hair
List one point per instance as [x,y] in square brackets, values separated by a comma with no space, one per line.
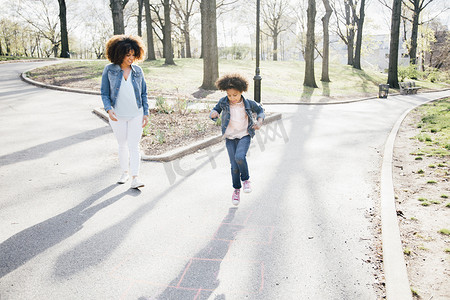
[120,45]
[232,81]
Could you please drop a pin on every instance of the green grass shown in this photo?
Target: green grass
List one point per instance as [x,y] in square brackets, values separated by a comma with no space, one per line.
[7,58]
[444,231]
[435,120]
[282,81]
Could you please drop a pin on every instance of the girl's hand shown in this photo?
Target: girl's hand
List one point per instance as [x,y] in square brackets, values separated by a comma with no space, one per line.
[258,124]
[214,114]
[112,115]
[144,121]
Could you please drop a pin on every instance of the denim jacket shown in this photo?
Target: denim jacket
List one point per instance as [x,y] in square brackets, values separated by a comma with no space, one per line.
[111,80]
[223,106]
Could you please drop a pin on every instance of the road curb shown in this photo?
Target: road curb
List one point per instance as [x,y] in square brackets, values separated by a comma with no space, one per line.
[397,282]
[185,150]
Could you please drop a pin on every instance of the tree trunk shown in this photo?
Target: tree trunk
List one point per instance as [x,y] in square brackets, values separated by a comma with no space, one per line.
[117,7]
[310,43]
[414,33]
[139,18]
[349,20]
[393,48]
[168,50]
[357,61]
[187,38]
[326,41]
[209,44]
[275,46]
[148,20]
[63,24]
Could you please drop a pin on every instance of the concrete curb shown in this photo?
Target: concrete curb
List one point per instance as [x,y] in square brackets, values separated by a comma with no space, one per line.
[397,282]
[189,149]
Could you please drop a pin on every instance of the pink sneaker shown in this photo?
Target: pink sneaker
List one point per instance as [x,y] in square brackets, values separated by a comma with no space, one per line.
[247,187]
[236,197]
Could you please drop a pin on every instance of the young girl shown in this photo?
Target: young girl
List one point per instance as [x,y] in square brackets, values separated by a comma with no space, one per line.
[238,127]
[124,96]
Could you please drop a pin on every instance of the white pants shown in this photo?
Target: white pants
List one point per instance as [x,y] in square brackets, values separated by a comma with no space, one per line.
[128,133]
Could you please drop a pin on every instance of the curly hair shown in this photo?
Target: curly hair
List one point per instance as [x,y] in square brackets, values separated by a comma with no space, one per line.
[232,81]
[120,45]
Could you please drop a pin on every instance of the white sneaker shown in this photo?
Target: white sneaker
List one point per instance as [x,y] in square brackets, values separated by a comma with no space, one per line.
[124,178]
[247,187]
[135,184]
[236,198]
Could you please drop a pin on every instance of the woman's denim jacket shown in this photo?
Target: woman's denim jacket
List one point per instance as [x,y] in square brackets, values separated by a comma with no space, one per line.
[250,106]
[111,80]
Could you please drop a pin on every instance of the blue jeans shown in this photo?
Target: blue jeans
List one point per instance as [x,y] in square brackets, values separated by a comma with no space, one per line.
[237,151]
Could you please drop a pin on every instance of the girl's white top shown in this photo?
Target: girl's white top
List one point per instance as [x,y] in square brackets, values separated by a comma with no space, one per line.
[126,106]
[237,128]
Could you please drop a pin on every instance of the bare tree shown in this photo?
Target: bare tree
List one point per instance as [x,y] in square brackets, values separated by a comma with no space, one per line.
[326,41]
[168,50]
[63,25]
[393,49]
[209,44]
[139,16]
[274,13]
[117,7]
[347,17]
[149,26]
[184,10]
[360,23]
[310,42]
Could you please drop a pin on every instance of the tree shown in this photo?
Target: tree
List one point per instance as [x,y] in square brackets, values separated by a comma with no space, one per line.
[63,25]
[117,7]
[326,41]
[393,48]
[310,43]
[209,44]
[149,25]
[168,50]
[274,11]
[184,10]
[348,18]
[139,16]
[360,23]
[417,7]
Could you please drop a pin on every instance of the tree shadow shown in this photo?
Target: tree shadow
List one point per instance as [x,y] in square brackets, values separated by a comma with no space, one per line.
[44,149]
[326,89]
[25,245]
[199,277]
[307,94]
[201,93]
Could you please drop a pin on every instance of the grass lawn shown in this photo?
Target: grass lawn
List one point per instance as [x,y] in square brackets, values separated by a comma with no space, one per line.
[282,81]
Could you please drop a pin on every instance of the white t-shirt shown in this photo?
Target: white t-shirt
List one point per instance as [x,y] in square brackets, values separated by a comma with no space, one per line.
[237,127]
[126,106]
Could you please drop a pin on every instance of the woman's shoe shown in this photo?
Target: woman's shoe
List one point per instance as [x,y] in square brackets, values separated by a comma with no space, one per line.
[124,178]
[135,184]
[247,187]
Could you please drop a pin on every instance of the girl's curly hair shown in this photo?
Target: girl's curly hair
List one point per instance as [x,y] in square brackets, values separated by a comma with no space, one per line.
[120,45]
[232,81]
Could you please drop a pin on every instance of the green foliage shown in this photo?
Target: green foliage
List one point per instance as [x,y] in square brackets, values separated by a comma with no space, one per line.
[162,106]
[409,71]
[160,137]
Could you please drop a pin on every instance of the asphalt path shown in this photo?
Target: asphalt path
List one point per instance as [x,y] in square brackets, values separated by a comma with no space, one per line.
[68,231]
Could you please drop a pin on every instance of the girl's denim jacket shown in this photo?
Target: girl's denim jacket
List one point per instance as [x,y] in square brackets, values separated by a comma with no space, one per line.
[111,80]
[223,106]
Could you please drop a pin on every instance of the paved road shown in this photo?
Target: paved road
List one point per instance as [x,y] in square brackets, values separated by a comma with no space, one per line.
[69,232]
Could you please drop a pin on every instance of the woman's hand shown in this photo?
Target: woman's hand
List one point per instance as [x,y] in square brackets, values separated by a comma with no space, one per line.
[258,124]
[112,115]
[214,114]
[144,121]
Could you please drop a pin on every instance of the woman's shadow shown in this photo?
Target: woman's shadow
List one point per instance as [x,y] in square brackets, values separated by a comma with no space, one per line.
[25,245]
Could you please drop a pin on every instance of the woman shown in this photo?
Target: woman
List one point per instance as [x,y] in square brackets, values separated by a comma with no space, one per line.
[124,96]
